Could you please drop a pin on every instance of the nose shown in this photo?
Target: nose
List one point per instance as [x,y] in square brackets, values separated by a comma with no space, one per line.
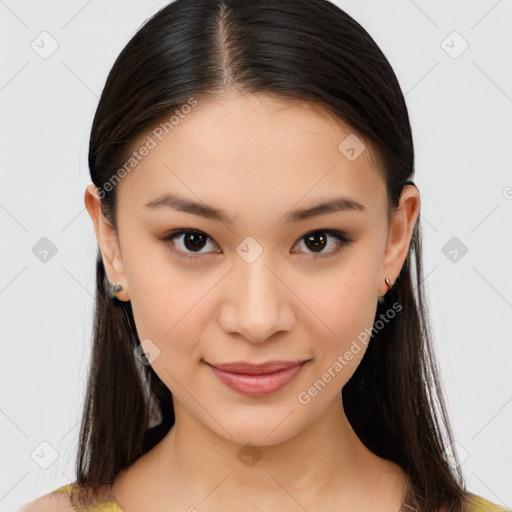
[256,302]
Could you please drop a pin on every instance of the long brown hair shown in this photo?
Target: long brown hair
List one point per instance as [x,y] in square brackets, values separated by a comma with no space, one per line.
[308,50]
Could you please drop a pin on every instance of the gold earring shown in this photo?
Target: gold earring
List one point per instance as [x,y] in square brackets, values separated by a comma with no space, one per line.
[380,298]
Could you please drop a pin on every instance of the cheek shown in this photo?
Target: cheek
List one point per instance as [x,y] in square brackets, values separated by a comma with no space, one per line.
[344,308]
[337,354]
[168,303]
[347,296]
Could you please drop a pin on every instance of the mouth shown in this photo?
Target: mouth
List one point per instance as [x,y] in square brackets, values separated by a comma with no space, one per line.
[257,380]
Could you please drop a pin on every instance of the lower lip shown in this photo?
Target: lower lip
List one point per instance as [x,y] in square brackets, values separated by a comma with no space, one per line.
[257,385]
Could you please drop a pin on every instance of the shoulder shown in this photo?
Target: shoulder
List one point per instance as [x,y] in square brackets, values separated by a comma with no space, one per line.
[55,501]
[479,504]
[59,500]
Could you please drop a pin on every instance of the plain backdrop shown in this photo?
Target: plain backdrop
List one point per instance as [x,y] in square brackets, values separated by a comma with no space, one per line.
[453,60]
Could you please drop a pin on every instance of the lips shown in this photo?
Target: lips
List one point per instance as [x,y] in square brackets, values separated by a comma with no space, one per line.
[257,380]
[256,369]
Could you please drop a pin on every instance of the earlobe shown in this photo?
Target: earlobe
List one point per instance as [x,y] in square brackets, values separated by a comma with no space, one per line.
[400,233]
[107,239]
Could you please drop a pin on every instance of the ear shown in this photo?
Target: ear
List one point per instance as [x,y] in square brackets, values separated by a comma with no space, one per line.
[400,235]
[108,242]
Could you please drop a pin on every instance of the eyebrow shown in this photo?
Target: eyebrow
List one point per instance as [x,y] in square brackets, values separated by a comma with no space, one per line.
[335,205]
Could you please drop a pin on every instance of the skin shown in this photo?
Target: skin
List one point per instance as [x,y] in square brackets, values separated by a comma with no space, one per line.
[257,157]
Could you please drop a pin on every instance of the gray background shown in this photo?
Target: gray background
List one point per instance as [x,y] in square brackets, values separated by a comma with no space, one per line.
[460,105]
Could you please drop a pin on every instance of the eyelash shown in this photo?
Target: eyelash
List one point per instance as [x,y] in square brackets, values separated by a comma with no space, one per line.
[342,239]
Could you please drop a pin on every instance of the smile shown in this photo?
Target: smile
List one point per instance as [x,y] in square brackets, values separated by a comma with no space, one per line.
[257,380]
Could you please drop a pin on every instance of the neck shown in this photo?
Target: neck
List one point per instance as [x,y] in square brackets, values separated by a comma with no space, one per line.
[325,459]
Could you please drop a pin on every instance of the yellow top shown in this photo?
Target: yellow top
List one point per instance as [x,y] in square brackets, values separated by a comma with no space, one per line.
[476,503]
[97,506]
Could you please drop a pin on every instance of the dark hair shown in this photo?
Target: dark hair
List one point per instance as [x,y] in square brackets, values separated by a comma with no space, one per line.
[304,50]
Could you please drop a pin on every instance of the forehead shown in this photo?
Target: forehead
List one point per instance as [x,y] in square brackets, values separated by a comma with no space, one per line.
[256,149]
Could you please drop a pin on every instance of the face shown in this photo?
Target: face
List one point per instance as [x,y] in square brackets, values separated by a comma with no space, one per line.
[254,273]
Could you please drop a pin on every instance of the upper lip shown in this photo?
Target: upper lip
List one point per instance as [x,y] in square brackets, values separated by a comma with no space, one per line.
[256,369]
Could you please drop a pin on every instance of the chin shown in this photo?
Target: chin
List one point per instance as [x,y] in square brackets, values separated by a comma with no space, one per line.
[262,427]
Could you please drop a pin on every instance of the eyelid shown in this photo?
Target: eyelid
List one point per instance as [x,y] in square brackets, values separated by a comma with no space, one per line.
[342,238]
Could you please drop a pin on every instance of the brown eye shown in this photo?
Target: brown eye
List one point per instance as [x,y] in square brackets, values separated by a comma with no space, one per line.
[192,241]
[317,241]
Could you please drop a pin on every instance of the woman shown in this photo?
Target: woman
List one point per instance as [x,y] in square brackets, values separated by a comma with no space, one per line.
[259,339]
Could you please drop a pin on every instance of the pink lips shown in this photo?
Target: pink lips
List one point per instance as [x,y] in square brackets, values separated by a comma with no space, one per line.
[257,380]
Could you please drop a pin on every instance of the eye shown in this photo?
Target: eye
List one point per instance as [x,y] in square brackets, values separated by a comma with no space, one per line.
[193,240]
[317,240]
